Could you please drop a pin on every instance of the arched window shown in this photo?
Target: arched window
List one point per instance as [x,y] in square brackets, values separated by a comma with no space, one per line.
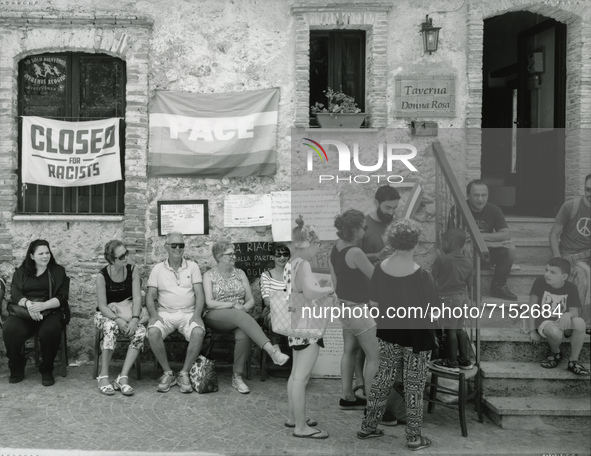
[72,87]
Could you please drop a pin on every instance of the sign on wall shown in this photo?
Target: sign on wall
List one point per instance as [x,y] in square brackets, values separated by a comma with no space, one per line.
[425,96]
[188,217]
[70,154]
[253,257]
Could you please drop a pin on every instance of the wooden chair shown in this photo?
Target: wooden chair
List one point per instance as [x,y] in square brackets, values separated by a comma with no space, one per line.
[98,337]
[464,379]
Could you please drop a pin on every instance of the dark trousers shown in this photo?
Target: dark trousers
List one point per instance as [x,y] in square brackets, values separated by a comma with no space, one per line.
[17,330]
[502,258]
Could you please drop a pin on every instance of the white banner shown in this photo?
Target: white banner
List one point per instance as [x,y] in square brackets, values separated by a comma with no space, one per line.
[70,154]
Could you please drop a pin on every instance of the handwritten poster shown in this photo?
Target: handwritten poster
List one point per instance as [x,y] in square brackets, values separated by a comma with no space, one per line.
[317,209]
[253,257]
[281,213]
[188,217]
[247,210]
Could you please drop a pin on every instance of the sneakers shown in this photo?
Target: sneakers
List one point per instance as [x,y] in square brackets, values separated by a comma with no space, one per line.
[465,364]
[368,435]
[166,381]
[444,365]
[357,404]
[503,293]
[279,358]
[184,382]
[47,379]
[240,385]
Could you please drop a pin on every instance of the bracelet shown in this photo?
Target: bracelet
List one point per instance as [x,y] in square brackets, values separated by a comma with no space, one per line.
[135,316]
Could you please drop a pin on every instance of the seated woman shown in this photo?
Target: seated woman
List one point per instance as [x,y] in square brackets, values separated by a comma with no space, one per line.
[39,294]
[272,279]
[228,298]
[405,343]
[118,286]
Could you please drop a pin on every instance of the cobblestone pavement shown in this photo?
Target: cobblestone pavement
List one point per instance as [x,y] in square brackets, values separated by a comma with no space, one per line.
[73,415]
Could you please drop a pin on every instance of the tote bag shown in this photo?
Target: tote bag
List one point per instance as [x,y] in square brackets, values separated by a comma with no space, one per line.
[203,377]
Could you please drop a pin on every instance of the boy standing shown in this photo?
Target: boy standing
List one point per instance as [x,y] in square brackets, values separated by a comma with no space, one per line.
[559,305]
[452,271]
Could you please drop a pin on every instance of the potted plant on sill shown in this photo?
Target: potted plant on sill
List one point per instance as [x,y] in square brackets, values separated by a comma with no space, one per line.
[341,112]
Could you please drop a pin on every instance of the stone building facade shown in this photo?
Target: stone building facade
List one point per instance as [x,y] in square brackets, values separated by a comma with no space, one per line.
[233,46]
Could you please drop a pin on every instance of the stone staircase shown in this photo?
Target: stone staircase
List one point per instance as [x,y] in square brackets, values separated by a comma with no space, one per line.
[517,391]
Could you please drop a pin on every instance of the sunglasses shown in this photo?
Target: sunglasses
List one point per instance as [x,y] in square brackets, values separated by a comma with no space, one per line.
[177,245]
[229,254]
[281,254]
[122,256]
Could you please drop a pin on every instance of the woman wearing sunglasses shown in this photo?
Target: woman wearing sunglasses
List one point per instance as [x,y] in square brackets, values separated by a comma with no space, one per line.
[228,299]
[118,314]
[272,280]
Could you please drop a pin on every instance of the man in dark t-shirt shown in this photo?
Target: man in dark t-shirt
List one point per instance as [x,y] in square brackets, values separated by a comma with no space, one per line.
[491,223]
[372,244]
[557,303]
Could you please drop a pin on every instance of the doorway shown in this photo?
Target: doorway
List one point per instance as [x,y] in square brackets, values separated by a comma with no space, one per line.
[523,113]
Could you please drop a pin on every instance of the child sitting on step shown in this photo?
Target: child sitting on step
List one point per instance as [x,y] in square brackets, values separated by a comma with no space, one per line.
[557,301]
[452,271]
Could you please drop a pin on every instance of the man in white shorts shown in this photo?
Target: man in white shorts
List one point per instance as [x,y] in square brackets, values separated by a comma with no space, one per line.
[177,285]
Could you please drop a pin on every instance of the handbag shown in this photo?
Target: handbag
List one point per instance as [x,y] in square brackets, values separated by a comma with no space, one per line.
[124,309]
[289,318]
[203,377]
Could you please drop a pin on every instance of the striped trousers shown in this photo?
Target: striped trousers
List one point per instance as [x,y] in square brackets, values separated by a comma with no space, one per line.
[414,374]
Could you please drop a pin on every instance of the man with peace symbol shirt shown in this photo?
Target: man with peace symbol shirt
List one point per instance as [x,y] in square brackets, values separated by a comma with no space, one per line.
[570,238]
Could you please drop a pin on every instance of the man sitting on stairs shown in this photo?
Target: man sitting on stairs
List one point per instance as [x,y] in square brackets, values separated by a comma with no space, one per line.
[570,238]
[557,303]
[491,223]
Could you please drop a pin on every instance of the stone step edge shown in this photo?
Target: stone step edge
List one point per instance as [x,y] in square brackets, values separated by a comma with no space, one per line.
[529,370]
[510,335]
[529,219]
[541,406]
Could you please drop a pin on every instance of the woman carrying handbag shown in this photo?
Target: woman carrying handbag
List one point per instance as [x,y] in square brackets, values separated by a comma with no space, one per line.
[301,283]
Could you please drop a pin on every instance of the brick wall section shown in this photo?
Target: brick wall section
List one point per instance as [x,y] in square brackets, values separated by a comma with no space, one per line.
[577,17]
[371,17]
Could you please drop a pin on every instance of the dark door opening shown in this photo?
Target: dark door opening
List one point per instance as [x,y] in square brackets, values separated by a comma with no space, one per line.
[523,115]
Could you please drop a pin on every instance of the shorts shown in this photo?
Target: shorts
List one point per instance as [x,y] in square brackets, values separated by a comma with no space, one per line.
[454,301]
[563,326]
[355,317]
[180,321]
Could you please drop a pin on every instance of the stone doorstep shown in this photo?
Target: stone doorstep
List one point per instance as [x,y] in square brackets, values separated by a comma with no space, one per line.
[532,250]
[521,227]
[528,379]
[535,412]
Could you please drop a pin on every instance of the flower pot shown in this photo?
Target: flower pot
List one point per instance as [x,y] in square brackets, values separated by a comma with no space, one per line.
[326,120]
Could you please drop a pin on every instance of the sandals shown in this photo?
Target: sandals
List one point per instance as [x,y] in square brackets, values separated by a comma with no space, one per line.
[107,390]
[420,444]
[309,421]
[551,360]
[362,388]
[577,368]
[318,435]
[126,389]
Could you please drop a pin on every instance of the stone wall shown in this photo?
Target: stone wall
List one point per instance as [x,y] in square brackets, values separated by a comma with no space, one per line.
[226,46]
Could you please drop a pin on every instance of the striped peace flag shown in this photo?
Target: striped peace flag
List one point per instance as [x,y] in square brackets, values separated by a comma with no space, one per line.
[213,135]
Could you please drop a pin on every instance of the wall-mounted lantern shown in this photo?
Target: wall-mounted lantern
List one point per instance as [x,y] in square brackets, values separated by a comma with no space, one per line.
[430,35]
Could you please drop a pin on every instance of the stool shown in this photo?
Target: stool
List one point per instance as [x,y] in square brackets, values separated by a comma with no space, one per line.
[463,378]
[98,337]
[64,352]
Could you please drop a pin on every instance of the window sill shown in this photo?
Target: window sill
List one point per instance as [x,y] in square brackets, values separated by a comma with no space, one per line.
[67,218]
[343,130]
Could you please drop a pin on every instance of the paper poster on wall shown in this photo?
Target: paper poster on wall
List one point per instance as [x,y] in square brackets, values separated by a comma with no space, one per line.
[189,217]
[253,257]
[281,214]
[247,210]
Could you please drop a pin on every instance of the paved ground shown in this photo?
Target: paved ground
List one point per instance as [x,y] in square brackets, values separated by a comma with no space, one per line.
[72,415]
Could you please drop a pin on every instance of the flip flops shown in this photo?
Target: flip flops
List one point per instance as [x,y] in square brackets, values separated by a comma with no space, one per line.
[420,444]
[318,435]
[309,421]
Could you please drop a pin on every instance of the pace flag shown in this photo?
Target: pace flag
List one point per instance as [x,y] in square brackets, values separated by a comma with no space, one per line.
[70,154]
[212,135]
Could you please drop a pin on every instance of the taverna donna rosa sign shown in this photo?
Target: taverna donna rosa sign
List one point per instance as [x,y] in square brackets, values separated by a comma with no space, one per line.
[425,96]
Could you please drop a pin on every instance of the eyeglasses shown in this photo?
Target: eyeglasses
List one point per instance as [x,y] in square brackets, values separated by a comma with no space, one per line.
[177,245]
[231,254]
[122,256]
[281,254]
